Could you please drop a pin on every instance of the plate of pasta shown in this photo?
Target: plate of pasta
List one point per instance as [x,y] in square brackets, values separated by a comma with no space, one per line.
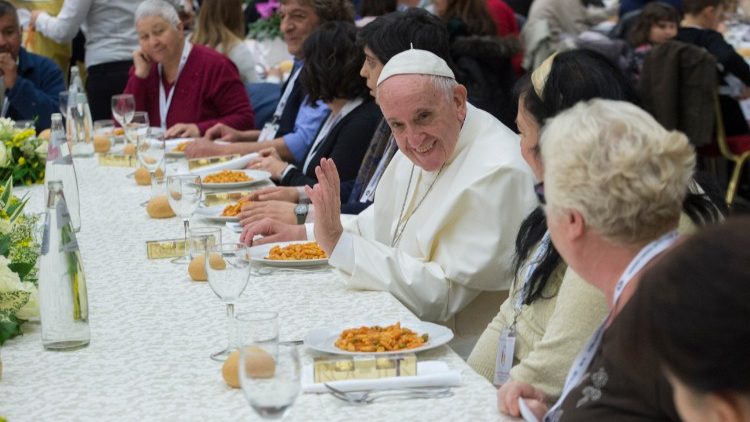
[289,254]
[226,179]
[380,338]
[222,213]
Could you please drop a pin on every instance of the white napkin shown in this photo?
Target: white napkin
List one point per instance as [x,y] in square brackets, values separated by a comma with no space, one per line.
[234,227]
[236,164]
[430,373]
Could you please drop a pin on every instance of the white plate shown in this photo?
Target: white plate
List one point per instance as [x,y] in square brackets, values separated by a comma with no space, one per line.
[214,213]
[171,144]
[324,339]
[259,253]
[258,176]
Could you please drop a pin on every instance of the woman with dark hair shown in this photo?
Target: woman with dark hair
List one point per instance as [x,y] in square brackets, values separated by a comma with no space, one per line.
[465,17]
[693,307]
[331,74]
[551,311]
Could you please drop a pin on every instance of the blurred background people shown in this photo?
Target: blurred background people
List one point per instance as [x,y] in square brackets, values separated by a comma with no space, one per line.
[221,26]
[371,9]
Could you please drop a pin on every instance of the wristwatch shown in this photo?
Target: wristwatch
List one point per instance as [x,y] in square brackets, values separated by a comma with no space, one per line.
[301,211]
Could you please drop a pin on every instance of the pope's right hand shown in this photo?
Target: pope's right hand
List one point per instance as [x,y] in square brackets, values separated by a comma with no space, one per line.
[276,193]
[222,132]
[142,63]
[272,231]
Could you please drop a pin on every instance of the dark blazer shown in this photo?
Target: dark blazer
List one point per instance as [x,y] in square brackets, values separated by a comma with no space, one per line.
[345,144]
[36,94]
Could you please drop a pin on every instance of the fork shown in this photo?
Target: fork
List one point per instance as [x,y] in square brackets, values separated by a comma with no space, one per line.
[367,397]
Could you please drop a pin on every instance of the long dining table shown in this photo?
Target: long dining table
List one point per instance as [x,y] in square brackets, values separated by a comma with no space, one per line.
[152,330]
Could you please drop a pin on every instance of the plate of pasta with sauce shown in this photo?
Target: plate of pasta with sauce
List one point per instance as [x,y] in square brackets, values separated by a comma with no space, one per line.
[228,179]
[380,338]
[289,254]
[222,213]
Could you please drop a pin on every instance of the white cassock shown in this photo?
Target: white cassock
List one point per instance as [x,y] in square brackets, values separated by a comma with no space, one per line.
[458,243]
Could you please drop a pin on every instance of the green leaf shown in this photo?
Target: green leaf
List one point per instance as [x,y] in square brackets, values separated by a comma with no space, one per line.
[18,210]
[4,245]
[9,329]
[7,191]
[21,268]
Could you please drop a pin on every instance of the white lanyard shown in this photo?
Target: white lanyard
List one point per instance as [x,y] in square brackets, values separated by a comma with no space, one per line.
[330,122]
[582,362]
[164,100]
[285,97]
[535,261]
[369,193]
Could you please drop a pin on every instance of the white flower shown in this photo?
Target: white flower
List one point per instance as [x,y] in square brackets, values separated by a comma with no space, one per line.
[41,150]
[10,282]
[3,155]
[7,124]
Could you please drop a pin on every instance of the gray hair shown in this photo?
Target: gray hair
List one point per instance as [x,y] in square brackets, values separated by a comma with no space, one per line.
[157,8]
[617,166]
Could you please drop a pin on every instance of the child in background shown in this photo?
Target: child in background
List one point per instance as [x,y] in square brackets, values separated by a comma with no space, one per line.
[657,23]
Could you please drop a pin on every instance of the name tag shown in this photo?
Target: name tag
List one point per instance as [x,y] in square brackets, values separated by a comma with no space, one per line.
[506,348]
[269,132]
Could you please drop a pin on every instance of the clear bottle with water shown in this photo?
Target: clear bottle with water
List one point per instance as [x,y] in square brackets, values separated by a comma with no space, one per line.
[82,131]
[63,298]
[60,167]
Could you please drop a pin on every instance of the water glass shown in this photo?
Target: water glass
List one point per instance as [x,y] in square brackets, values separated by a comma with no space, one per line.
[184,195]
[150,149]
[123,108]
[270,393]
[138,126]
[202,239]
[104,127]
[228,271]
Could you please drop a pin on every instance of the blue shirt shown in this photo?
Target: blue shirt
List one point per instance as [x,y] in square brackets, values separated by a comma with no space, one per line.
[306,125]
[36,93]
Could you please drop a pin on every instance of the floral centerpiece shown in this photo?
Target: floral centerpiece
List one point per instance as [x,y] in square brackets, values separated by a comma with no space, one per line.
[19,253]
[22,155]
[269,26]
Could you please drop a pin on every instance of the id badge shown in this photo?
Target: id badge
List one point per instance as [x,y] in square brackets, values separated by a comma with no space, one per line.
[269,132]
[504,362]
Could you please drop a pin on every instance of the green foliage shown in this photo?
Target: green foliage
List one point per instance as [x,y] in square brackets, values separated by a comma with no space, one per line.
[265,29]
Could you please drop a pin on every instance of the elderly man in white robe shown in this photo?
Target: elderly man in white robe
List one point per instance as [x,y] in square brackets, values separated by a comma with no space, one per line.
[440,233]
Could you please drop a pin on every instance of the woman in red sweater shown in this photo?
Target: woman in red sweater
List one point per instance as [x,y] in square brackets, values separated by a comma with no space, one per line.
[185,88]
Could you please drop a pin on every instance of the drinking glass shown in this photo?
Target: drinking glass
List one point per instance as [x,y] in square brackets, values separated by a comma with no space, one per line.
[123,108]
[138,126]
[183,195]
[203,239]
[270,394]
[150,149]
[228,271]
[104,127]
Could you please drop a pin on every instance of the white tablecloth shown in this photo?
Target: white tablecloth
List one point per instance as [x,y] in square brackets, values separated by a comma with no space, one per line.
[152,331]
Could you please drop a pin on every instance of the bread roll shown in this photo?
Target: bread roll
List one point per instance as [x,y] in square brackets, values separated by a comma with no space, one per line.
[158,207]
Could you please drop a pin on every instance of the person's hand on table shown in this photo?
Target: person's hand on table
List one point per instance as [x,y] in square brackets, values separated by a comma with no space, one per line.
[141,64]
[275,210]
[327,202]
[222,132]
[269,161]
[275,193]
[508,394]
[9,69]
[203,148]
[272,231]
[183,130]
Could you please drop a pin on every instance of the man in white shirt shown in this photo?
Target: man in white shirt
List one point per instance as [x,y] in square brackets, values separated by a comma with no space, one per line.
[440,233]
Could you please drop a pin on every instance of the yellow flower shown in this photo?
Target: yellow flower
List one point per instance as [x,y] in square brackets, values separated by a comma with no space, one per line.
[21,161]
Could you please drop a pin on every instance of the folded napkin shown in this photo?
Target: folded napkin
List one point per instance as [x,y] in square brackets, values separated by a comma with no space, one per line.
[431,373]
[236,164]
[234,227]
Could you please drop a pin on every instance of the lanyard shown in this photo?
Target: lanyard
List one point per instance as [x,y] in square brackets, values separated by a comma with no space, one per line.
[164,100]
[535,261]
[369,193]
[582,362]
[330,122]
[285,97]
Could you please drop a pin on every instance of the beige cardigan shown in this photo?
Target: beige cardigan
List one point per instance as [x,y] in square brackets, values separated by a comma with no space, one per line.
[550,332]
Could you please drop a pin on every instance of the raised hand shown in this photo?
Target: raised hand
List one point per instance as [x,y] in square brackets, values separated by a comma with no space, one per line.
[327,202]
[141,63]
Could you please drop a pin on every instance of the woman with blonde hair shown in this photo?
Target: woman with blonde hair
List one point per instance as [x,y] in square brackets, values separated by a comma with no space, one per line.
[221,26]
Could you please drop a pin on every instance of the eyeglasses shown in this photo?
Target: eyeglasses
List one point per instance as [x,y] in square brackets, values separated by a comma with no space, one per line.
[539,190]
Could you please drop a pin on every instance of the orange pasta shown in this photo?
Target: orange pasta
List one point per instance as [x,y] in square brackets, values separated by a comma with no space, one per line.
[180,147]
[380,339]
[297,252]
[227,176]
[233,210]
